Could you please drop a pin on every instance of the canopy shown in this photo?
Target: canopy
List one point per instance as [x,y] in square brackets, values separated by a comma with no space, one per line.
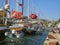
[33,16]
[16,14]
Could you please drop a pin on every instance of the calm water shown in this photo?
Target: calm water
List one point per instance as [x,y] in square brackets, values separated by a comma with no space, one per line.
[27,40]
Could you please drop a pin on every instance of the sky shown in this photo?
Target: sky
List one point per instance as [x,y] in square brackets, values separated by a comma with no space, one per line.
[45,9]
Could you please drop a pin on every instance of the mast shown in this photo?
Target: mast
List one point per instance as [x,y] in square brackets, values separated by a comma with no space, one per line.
[35,10]
[6,2]
[22,7]
[3,17]
[6,9]
[16,5]
[28,7]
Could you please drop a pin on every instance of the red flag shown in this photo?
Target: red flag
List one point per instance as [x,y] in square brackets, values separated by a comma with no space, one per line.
[20,4]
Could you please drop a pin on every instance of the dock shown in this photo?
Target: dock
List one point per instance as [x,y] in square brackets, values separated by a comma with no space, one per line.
[52,39]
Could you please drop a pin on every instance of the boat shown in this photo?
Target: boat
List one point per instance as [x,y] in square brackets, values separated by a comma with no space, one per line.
[19,24]
[3,21]
[22,23]
[3,29]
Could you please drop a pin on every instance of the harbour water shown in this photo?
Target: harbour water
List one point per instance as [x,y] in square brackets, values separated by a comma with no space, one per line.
[26,40]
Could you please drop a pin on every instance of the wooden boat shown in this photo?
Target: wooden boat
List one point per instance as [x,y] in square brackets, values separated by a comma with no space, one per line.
[24,26]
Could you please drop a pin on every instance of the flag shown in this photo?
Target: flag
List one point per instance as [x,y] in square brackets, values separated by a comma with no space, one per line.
[20,4]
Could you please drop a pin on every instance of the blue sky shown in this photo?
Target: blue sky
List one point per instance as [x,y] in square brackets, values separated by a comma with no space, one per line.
[46,9]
